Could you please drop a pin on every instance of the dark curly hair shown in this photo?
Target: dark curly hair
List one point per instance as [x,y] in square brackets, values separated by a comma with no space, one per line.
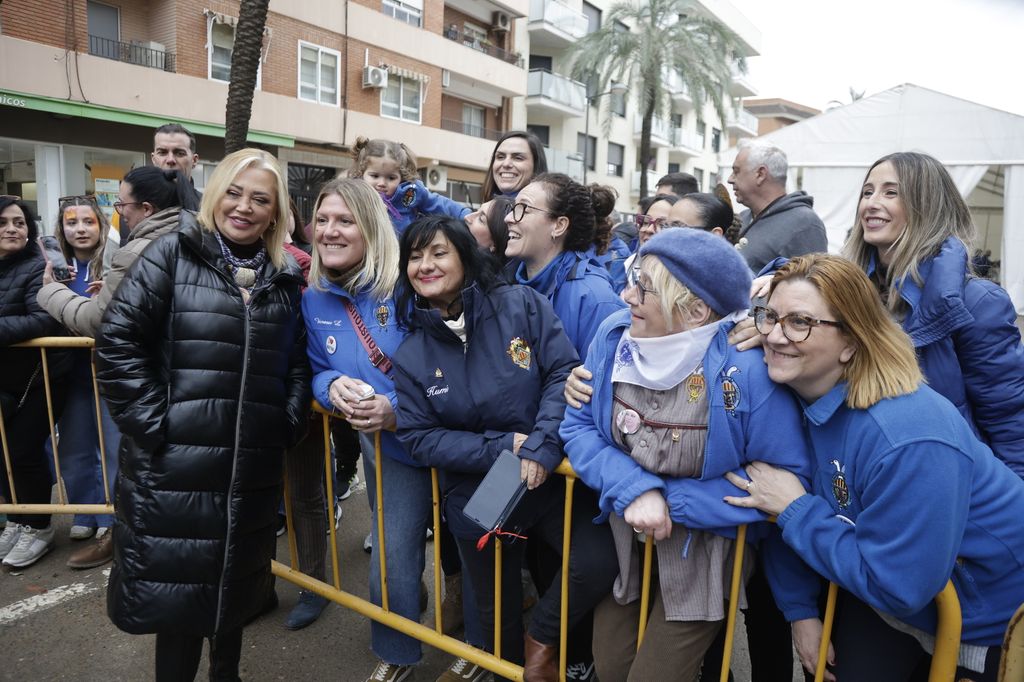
[587,208]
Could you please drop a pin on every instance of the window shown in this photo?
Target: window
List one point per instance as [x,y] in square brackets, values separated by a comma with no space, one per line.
[617,103]
[716,140]
[674,168]
[409,11]
[472,120]
[222,43]
[587,146]
[401,99]
[104,30]
[468,193]
[616,154]
[543,133]
[699,174]
[701,130]
[620,27]
[713,181]
[538,61]
[593,16]
[318,74]
[591,85]
[473,35]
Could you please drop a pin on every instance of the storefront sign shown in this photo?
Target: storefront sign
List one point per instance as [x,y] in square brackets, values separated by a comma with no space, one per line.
[9,101]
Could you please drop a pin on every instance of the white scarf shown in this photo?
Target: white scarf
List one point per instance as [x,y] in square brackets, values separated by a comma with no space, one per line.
[662,362]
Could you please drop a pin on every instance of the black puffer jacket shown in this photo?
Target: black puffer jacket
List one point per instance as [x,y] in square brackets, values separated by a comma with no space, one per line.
[21,319]
[208,394]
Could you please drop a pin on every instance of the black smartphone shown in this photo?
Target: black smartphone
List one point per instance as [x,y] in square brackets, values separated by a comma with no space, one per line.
[53,254]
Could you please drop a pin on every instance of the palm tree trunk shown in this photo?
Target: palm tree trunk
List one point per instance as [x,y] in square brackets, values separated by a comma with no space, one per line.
[245,62]
[645,145]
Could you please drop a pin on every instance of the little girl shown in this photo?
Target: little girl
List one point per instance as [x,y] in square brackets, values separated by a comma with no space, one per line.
[390,168]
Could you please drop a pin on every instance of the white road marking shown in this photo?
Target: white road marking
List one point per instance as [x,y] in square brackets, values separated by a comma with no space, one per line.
[49,599]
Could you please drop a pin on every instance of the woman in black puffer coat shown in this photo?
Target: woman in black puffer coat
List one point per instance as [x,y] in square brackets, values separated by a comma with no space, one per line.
[202,360]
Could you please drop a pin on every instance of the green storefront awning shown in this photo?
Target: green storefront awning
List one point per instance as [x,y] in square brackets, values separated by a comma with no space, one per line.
[104,113]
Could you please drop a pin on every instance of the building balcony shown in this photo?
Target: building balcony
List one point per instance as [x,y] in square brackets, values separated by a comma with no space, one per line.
[687,142]
[570,163]
[554,25]
[742,123]
[652,182]
[741,85]
[458,126]
[677,90]
[151,55]
[554,93]
[661,132]
[454,34]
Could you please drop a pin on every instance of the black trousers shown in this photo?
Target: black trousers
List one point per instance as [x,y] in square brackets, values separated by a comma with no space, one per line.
[177,656]
[592,570]
[27,431]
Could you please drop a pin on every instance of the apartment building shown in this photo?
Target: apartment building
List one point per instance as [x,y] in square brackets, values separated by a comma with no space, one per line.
[572,122]
[83,84]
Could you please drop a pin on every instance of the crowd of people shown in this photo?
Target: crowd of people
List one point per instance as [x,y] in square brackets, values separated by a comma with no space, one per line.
[701,367]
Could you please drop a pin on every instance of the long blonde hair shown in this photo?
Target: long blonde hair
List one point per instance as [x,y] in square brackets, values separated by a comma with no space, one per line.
[225,174]
[884,364]
[935,212]
[379,269]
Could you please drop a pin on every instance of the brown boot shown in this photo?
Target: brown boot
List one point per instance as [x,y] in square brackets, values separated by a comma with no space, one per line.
[95,554]
[541,661]
[451,607]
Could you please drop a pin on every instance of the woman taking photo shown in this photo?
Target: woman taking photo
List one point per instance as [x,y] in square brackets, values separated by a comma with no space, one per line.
[674,408]
[553,222]
[202,361]
[474,343]
[353,333]
[517,159]
[26,537]
[904,496]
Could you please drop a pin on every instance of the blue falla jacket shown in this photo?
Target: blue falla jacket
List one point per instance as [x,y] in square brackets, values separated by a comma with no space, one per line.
[969,347]
[904,497]
[335,349]
[762,422]
[580,291]
[412,199]
[458,407]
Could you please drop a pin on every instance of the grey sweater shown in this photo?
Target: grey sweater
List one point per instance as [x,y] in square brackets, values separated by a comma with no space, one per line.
[787,227]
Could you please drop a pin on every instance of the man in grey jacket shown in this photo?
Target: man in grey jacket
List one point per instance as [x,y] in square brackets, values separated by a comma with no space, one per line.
[777,223]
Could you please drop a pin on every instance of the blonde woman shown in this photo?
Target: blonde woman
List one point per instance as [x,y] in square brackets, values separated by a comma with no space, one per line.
[202,361]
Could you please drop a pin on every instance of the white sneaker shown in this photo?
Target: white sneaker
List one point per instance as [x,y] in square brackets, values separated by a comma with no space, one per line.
[337,517]
[348,489]
[389,672]
[9,538]
[101,531]
[31,546]
[462,670]
[368,543]
[82,532]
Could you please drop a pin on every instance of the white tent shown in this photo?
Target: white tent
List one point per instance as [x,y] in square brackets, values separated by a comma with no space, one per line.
[983,148]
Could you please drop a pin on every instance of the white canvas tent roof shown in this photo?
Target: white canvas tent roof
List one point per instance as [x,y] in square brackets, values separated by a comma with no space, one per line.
[830,153]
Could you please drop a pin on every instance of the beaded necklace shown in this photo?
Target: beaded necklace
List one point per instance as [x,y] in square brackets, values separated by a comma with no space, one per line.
[244,270]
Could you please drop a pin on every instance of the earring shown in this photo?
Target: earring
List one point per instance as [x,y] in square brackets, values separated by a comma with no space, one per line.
[553,238]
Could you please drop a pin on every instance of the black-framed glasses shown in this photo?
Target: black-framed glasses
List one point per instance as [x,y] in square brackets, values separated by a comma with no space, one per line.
[78,199]
[635,277]
[795,327]
[518,211]
[119,205]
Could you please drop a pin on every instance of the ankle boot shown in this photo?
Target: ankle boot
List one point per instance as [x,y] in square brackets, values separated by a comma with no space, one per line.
[541,661]
[451,607]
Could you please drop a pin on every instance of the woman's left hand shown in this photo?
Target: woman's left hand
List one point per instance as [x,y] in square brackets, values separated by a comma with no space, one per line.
[532,472]
[648,514]
[373,414]
[94,287]
[769,489]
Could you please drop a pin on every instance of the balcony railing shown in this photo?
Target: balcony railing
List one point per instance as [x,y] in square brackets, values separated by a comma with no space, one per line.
[570,163]
[453,33]
[743,118]
[660,128]
[557,88]
[131,53]
[687,139]
[457,126]
[560,16]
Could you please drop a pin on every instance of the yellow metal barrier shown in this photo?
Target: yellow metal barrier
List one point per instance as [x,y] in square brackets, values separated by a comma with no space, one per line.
[947,638]
[1011,663]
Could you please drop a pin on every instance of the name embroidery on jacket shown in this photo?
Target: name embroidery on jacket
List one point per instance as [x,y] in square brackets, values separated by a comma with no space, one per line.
[433,391]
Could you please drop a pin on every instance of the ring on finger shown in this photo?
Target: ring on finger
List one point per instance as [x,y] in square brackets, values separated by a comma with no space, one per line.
[750,484]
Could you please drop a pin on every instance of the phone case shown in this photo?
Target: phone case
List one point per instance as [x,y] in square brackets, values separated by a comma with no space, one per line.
[498,494]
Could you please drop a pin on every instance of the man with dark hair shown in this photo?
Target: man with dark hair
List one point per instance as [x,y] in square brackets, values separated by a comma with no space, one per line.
[679,184]
[174,147]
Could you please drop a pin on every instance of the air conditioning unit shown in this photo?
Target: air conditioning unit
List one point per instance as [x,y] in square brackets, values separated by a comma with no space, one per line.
[437,178]
[501,22]
[446,78]
[375,77]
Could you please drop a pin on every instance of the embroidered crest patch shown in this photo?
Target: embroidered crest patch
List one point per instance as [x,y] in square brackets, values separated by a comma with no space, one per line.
[520,352]
[382,315]
[840,491]
[408,196]
[695,385]
[730,391]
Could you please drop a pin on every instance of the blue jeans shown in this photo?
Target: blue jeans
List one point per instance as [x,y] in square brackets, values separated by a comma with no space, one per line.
[78,448]
[407,514]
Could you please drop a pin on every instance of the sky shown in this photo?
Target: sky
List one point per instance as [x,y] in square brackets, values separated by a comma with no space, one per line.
[814,51]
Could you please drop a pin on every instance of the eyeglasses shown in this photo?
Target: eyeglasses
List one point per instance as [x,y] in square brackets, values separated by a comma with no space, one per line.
[795,327]
[518,211]
[641,220]
[635,277]
[119,205]
[77,199]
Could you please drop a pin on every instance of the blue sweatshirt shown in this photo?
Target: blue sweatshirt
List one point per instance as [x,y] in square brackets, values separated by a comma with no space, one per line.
[335,348]
[762,424]
[412,200]
[904,497]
